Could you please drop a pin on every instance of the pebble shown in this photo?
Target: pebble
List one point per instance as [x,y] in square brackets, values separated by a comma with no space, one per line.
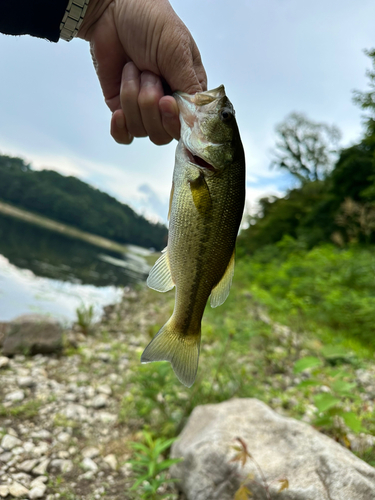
[41,434]
[64,437]
[61,465]
[75,412]
[111,460]
[99,401]
[38,491]
[25,381]
[104,389]
[9,442]
[27,465]
[14,396]
[90,452]
[89,465]
[4,362]
[17,490]
[37,480]
[41,468]
[4,491]
[22,478]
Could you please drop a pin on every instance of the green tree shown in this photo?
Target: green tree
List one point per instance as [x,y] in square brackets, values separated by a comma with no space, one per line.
[305,148]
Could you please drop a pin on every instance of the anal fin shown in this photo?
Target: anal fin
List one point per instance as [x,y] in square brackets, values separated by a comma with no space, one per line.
[220,292]
[160,277]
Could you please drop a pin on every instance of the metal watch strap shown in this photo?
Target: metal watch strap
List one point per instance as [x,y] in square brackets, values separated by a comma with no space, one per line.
[72,20]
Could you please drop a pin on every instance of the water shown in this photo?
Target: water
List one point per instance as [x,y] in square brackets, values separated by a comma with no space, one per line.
[45,272]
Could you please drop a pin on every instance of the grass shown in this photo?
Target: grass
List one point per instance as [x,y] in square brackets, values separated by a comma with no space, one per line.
[242,356]
[24,411]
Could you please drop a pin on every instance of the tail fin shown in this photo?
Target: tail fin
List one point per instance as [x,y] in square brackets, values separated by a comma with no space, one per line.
[182,351]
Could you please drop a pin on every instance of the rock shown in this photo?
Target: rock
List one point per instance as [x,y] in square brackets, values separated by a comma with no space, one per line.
[89,465]
[25,381]
[90,452]
[4,361]
[316,466]
[27,465]
[9,442]
[111,460]
[38,480]
[14,396]
[17,490]
[22,478]
[37,491]
[42,434]
[104,389]
[64,437]
[5,457]
[41,468]
[32,334]
[75,412]
[99,401]
[61,465]
[4,491]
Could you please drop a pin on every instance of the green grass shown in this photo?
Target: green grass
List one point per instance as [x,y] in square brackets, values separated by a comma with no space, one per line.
[23,411]
[242,356]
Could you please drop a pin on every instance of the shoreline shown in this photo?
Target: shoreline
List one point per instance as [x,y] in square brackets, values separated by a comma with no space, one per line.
[61,228]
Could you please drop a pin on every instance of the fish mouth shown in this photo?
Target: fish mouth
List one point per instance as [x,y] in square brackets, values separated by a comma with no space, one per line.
[199,162]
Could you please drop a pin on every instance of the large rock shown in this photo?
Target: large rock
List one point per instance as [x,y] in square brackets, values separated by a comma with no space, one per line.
[32,334]
[316,467]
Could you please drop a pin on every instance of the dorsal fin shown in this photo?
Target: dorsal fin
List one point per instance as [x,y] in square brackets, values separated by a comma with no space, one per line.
[221,290]
[160,278]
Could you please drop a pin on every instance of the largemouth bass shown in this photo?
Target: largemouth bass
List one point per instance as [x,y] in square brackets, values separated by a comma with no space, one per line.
[206,206]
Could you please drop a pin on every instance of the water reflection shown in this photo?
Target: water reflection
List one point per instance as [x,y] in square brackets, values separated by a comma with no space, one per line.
[46,272]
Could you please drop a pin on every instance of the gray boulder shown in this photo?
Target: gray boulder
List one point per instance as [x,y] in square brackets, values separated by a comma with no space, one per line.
[32,334]
[316,467]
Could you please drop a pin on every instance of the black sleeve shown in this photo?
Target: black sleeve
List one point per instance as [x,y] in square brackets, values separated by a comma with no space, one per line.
[39,18]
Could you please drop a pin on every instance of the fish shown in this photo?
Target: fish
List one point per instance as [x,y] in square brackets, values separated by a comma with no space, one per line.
[205,211]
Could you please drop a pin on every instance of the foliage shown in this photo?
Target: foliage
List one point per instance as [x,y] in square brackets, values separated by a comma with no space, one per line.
[150,466]
[25,411]
[305,148]
[338,394]
[326,285]
[366,100]
[85,318]
[69,200]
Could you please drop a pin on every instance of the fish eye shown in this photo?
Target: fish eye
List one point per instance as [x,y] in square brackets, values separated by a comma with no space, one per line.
[225,115]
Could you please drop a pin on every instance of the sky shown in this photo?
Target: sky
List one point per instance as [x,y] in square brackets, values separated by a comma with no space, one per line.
[273,56]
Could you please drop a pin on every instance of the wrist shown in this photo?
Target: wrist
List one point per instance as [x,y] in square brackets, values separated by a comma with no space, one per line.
[94,12]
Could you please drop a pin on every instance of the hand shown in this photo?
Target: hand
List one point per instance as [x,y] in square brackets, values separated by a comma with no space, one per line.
[136,45]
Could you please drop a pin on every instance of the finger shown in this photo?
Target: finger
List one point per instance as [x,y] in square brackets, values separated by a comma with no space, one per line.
[119,130]
[130,88]
[150,93]
[170,116]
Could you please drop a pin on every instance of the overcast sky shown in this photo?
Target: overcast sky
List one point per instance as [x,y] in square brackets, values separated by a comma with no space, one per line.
[273,56]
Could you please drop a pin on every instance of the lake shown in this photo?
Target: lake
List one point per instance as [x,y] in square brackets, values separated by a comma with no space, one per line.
[45,272]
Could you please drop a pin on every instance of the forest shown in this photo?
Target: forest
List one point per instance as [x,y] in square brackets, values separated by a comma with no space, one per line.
[69,200]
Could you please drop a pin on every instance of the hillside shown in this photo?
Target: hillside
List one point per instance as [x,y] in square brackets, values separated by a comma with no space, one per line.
[69,200]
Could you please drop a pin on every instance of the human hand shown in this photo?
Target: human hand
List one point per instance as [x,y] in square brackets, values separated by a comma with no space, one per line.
[136,45]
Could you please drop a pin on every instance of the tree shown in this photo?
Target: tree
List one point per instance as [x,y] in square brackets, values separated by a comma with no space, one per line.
[305,148]
[366,100]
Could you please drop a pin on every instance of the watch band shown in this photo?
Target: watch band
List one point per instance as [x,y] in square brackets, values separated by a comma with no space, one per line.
[73,17]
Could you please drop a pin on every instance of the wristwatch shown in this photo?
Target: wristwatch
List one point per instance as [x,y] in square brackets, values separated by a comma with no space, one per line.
[72,20]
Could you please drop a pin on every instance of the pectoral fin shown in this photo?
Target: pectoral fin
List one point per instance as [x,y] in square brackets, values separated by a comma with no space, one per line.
[170,201]
[221,290]
[160,278]
[201,194]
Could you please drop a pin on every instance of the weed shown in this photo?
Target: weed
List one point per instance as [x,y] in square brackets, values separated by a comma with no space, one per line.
[244,492]
[24,411]
[85,318]
[149,466]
